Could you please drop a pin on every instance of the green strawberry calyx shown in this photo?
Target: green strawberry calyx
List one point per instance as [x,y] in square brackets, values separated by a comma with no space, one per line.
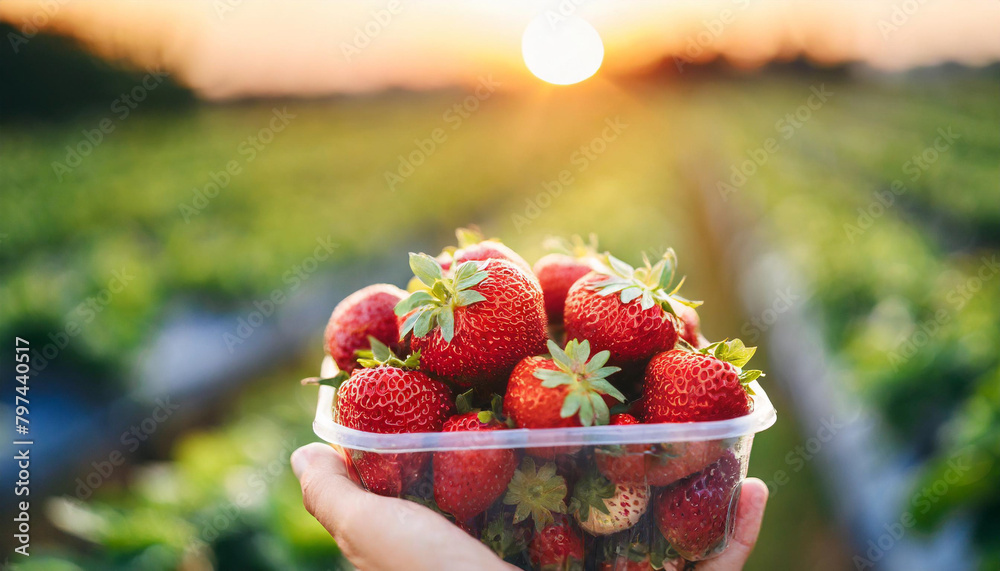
[470,236]
[426,308]
[650,283]
[586,378]
[575,246]
[590,492]
[380,355]
[536,492]
[503,538]
[334,381]
[733,352]
[661,552]
[463,404]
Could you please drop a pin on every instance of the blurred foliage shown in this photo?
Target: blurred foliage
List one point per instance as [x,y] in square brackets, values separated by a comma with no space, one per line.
[907,281]
[49,76]
[227,499]
[123,208]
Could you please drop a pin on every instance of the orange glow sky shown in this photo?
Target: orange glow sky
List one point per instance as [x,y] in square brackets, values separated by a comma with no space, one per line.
[234,48]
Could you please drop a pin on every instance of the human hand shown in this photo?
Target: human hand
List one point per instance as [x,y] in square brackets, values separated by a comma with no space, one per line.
[377,533]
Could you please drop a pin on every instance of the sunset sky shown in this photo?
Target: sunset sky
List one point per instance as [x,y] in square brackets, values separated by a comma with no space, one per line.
[236,48]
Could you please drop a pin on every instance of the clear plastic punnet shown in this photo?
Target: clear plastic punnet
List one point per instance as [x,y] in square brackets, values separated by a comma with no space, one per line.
[642,496]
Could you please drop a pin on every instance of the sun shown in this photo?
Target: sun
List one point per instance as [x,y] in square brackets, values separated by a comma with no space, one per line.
[563,51]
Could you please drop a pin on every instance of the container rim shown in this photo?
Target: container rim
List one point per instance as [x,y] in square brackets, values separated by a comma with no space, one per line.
[762,417]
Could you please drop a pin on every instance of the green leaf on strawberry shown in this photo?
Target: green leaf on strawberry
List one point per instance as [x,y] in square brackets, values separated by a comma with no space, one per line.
[536,492]
[574,247]
[590,492]
[334,381]
[735,353]
[505,539]
[650,284]
[427,309]
[661,552]
[380,355]
[586,378]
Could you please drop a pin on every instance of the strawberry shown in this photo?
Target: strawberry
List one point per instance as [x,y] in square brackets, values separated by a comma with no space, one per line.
[667,463]
[688,385]
[602,507]
[473,246]
[565,389]
[557,547]
[467,482]
[389,396]
[368,311]
[622,463]
[695,513]
[471,329]
[690,324]
[626,311]
[556,272]
[536,492]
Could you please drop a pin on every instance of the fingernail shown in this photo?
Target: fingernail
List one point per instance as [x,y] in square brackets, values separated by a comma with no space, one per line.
[300,461]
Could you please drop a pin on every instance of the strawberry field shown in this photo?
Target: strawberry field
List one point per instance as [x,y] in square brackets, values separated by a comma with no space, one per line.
[881,195]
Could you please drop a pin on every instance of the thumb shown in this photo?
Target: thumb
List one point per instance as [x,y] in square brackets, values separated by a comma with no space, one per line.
[380,533]
[749,515]
[327,490]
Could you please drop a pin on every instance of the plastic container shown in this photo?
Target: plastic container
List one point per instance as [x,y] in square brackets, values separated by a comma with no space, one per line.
[663,472]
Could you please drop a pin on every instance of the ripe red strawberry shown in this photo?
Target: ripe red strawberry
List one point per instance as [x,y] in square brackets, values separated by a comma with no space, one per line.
[687,385]
[473,246]
[667,463]
[622,463]
[565,389]
[602,507]
[469,481]
[694,514]
[558,271]
[626,311]
[389,396]
[368,311]
[471,329]
[558,547]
